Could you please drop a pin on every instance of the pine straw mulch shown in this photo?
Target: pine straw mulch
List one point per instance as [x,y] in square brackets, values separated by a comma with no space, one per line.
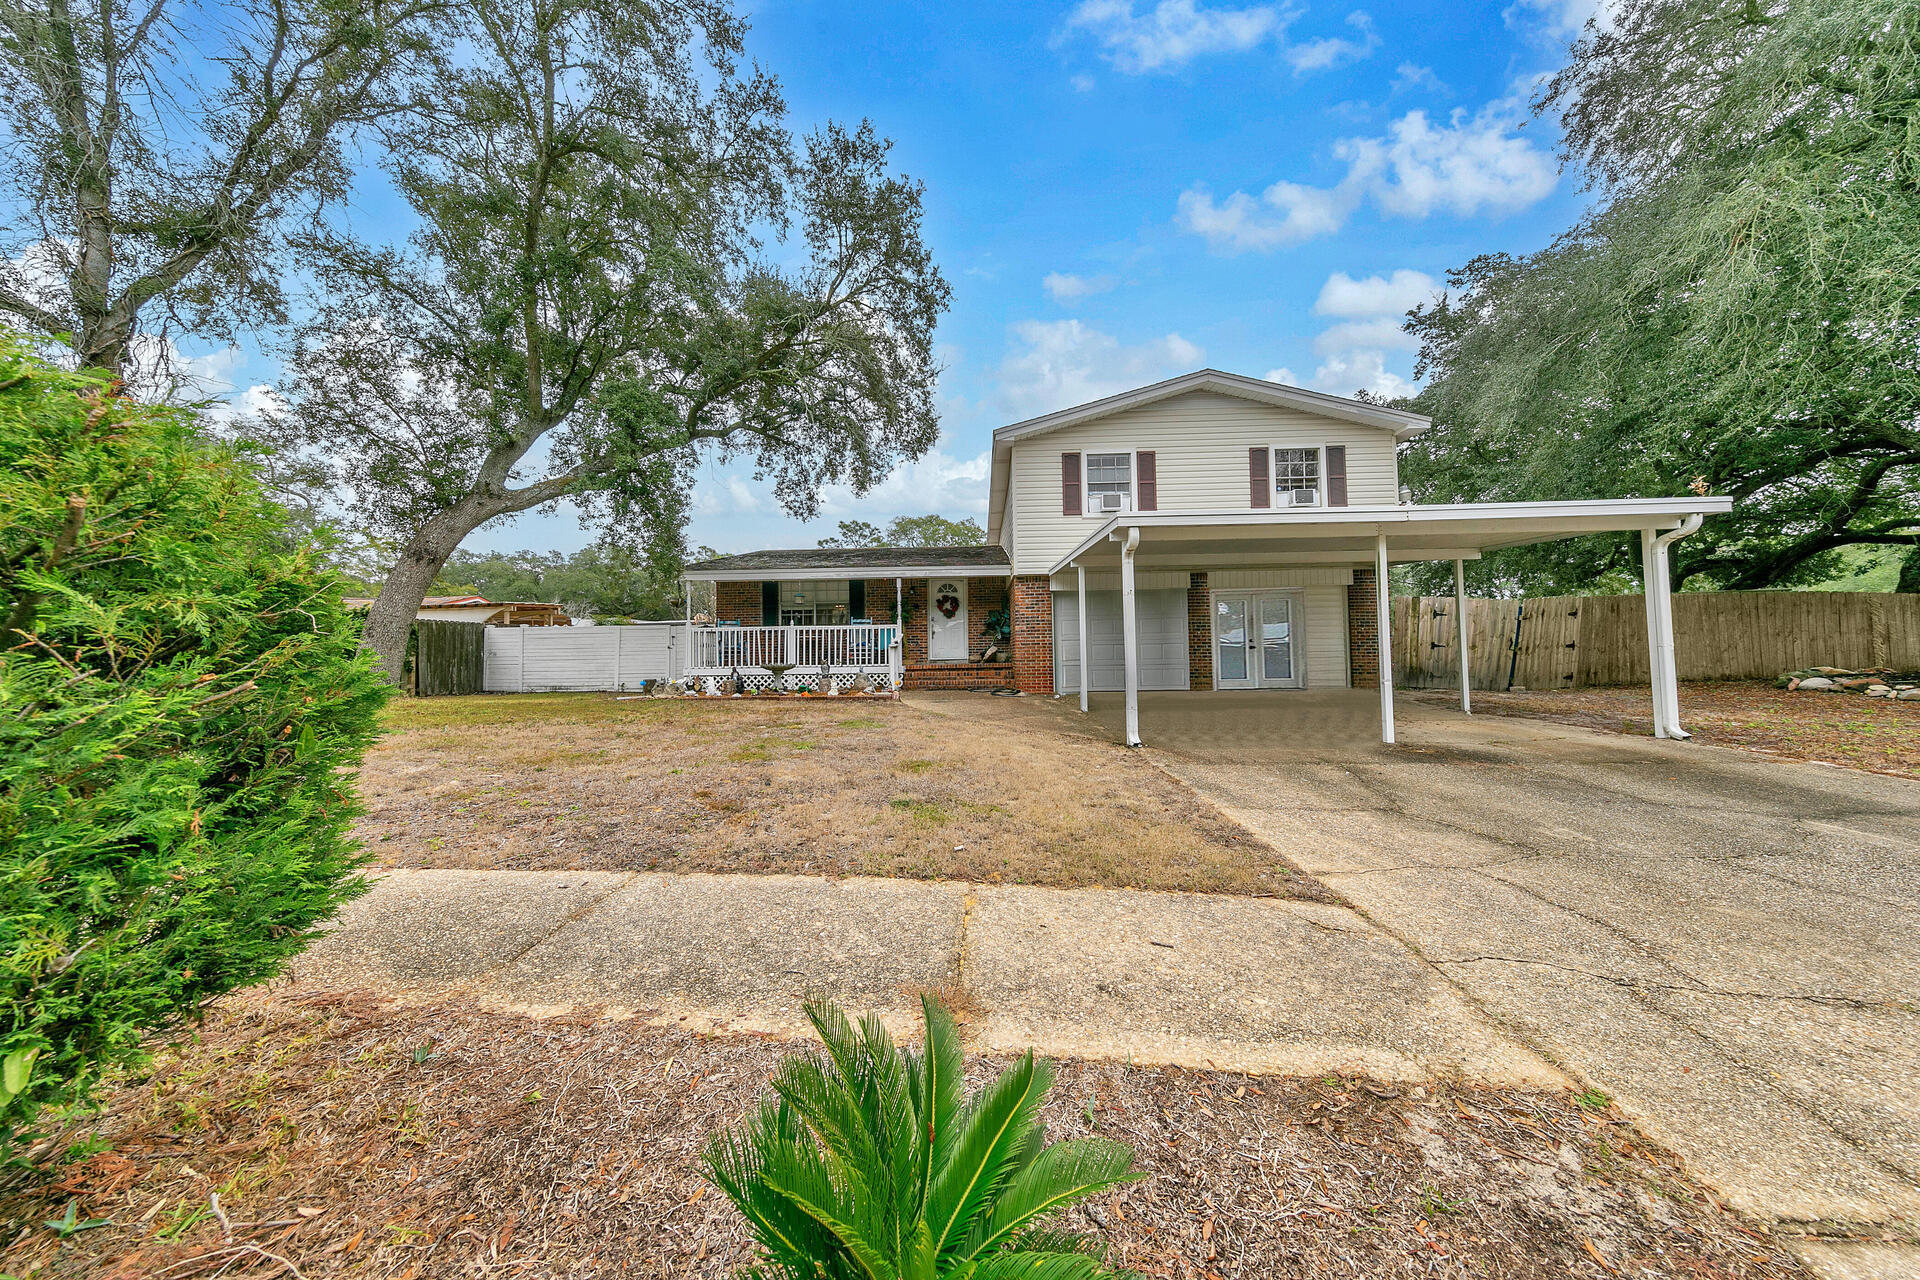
[317,1134]
[1876,734]
[821,786]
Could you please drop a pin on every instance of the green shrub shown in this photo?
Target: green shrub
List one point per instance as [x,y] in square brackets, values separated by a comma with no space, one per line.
[869,1163]
[182,698]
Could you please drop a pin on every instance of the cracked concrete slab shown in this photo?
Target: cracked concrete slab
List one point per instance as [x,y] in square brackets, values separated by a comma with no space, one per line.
[1728,944]
[1231,983]
[1255,984]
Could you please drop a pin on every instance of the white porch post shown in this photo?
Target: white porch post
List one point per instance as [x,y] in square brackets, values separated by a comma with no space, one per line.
[1080,574]
[686,653]
[1130,637]
[1460,624]
[1656,652]
[899,637]
[1384,622]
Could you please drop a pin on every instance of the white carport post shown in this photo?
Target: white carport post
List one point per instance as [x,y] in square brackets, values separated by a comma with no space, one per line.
[1460,626]
[1384,645]
[1129,636]
[1656,676]
[1080,576]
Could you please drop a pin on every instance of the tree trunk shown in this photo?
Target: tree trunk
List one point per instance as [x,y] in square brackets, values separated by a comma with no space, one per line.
[390,620]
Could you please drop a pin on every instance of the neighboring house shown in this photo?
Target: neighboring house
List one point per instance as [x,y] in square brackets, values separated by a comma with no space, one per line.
[500,613]
[1215,531]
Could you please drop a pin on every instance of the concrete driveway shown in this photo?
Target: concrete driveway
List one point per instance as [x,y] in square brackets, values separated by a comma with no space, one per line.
[1727,944]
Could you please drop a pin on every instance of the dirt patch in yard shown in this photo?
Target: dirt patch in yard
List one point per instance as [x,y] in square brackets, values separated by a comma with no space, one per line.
[1833,728]
[827,786]
[337,1133]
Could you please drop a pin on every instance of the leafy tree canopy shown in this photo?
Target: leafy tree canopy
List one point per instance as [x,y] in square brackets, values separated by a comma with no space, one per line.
[590,301]
[909,531]
[598,581]
[1737,316]
[159,153]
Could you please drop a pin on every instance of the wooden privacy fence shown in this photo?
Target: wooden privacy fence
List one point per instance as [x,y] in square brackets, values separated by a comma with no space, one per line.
[450,657]
[1570,642]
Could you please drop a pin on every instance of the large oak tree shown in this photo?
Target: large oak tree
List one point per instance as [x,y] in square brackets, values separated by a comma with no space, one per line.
[1740,313]
[623,261]
[157,154]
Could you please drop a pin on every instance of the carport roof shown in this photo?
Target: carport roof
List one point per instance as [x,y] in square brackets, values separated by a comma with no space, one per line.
[1344,535]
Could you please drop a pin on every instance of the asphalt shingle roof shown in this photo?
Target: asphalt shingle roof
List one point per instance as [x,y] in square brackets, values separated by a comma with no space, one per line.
[829,559]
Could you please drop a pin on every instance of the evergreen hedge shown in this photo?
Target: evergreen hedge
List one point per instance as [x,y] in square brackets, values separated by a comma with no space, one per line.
[182,703]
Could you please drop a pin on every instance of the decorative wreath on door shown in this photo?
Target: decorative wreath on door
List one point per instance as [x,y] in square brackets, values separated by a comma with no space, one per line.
[947,601]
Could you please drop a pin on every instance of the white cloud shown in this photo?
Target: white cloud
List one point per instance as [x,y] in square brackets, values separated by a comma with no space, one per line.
[1062,287]
[1391,295]
[1331,51]
[1173,32]
[1065,363]
[1282,375]
[1409,76]
[1082,83]
[1465,165]
[1555,20]
[732,495]
[937,481]
[1380,334]
[1346,372]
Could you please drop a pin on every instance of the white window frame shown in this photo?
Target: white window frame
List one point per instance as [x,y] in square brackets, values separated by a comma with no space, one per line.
[1273,473]
[1086,483]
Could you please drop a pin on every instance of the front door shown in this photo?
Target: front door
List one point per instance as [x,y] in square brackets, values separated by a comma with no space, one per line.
[947,619]
[1256,641]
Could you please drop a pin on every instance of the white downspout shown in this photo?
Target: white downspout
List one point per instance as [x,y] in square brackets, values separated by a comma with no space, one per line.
[1130,636]
[1669,690]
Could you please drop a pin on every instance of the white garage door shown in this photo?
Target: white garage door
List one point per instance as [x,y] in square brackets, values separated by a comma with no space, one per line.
[1162,616]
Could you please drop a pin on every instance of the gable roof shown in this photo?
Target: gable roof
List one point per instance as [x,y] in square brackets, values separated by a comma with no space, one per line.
[1402,424]
[836,562]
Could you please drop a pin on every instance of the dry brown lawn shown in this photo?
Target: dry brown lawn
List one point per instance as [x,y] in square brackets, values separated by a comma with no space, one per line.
[822,786]
[1834,728]
[313,1134]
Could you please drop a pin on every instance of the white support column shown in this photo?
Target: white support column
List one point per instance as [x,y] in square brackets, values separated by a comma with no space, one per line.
[1130,636]
[1669,687]
[1080,575]
[1650,584]
[1460,627]
[1383,621]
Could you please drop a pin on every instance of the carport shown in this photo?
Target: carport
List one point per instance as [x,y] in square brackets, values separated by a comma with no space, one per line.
[1378,537]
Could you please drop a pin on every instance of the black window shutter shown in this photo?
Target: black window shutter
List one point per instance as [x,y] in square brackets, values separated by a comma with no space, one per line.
[1336,475]
[857,598]
[1259,489]
[769,604]
[1070,485]
[1148,497]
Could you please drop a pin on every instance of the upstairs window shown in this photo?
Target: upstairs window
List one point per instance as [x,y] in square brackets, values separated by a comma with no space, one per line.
[1296,478]
[1109,483]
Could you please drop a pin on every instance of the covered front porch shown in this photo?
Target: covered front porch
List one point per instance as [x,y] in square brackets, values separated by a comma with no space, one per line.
[845,617]
[1374,538]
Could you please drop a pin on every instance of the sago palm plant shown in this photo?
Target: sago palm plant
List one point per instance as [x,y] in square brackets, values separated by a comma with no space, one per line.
[871,1164]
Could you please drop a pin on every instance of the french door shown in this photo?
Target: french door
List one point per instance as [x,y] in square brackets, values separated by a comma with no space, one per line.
[1256,638]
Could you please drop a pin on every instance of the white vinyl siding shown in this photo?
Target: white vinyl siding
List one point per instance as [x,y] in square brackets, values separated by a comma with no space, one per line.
[1162,618]
[1326,639]
[1200,441]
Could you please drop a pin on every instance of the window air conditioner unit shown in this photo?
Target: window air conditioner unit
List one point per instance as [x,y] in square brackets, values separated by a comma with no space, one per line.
[1107,503]
[1303,497]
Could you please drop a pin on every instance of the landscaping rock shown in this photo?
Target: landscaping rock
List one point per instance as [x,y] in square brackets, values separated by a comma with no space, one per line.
[1815,682]
[1909,695]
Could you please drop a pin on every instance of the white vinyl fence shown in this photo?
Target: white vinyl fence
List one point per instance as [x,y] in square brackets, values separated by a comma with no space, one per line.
[581,659]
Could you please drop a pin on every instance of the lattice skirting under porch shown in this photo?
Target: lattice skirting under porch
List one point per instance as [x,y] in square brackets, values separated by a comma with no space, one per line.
[762,681]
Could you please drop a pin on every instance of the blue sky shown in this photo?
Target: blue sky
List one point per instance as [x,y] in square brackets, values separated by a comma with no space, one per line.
[1121,192]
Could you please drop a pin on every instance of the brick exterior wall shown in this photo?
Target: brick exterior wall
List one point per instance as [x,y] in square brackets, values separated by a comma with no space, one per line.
[1033,634]
[1199,633]
[737,602]
[1363,631]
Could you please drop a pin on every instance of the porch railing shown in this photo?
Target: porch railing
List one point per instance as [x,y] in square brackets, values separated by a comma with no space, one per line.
[847,651]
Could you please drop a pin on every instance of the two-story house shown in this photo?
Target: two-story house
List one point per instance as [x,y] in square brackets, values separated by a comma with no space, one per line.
[1208,532]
